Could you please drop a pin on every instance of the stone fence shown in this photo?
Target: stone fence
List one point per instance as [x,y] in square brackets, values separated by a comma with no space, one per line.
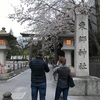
[11,66]
[94,66]
[16,64]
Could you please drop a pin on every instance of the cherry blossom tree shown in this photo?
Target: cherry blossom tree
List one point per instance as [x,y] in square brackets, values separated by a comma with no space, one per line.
[49,18]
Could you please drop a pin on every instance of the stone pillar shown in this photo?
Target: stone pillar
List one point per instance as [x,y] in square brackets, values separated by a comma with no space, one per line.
[81,46]
[2,57]
[68,57]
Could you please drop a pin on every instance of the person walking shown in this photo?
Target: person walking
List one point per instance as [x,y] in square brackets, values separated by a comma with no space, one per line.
[38,77]
[62,83]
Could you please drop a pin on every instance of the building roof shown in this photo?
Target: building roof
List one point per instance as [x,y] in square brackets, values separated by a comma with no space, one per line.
[26,34]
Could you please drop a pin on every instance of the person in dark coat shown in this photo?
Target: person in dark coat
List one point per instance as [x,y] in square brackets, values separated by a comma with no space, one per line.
[38,78]
[62,83]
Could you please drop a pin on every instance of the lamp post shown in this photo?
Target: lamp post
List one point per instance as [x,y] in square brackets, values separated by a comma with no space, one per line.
[68,46]
[4,47]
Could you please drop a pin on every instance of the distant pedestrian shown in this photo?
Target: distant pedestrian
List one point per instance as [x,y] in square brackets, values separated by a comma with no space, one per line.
[62,83]
[38,78]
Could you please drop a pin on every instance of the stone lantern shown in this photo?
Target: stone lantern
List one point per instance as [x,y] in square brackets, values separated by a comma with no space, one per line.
[68,46]
[4,47]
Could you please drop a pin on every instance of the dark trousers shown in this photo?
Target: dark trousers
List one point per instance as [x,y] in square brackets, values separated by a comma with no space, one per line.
[58,93]
[41,88]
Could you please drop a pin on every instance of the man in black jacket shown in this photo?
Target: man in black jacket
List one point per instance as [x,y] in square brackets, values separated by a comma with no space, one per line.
[38,78]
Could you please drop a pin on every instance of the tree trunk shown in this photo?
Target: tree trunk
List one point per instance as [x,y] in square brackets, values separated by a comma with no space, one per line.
[56,56]
[30,53]
[97,14]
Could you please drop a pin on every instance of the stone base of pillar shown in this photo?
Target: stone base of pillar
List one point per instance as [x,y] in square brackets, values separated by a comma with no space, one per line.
[86,86]
[5,76]
[6,73]
[5,69]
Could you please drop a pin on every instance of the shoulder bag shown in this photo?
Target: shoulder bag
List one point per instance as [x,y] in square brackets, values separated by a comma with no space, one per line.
[70,81]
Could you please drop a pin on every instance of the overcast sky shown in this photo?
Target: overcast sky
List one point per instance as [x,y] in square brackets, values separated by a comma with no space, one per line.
[5,9]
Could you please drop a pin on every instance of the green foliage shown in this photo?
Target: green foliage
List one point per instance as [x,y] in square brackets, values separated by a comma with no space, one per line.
[35,48]
[14,49]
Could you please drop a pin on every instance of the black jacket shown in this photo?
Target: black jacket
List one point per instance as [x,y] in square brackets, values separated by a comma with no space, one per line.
[38,68]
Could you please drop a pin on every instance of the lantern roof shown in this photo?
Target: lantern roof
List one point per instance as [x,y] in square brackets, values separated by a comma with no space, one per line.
[68,35]
[4,34]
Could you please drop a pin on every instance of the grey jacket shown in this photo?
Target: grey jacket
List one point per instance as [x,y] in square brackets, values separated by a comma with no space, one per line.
[63,72]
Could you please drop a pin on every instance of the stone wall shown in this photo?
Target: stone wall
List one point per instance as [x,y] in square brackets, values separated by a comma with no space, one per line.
[86,86]
[16,65]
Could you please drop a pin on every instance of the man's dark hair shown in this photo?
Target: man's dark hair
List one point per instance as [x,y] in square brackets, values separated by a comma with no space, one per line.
[40,54]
